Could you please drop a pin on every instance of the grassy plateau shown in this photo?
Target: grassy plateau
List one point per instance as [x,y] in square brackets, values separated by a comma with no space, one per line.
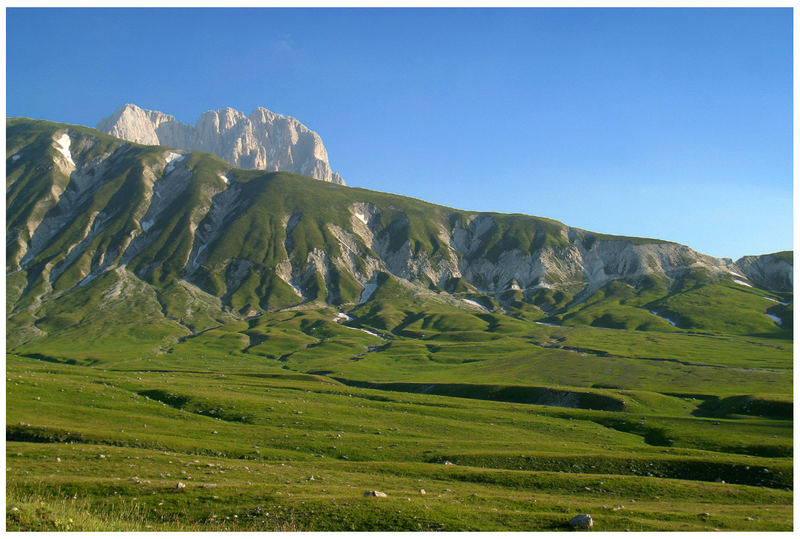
[284,421]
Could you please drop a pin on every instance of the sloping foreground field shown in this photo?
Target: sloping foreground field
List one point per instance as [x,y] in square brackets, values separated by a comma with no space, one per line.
[284,421]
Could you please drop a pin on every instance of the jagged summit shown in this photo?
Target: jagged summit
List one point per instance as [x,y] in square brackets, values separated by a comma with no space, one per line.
[263,140]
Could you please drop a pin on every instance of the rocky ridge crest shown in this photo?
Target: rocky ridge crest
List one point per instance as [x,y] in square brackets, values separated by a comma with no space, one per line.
[263,140]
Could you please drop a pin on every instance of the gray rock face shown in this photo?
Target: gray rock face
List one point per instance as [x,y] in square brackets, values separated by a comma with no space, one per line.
[773,271]
[263,140]
[581,521]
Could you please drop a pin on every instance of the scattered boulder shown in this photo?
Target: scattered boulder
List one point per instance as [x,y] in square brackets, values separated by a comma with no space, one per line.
[209,485]
[375,494]
[448,463]
[582,521]
[422,491]
[180,484]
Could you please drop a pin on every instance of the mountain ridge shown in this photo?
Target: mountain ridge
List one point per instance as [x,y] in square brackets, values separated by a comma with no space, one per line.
[92,216]
[262,140]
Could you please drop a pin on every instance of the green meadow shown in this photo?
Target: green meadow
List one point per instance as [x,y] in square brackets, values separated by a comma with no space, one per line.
[465,420]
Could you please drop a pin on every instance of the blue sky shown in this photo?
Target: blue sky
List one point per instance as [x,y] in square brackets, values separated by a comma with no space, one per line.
[666,123]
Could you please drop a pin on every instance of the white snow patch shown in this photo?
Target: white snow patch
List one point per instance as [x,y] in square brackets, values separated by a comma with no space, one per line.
[775,300]
[172,160]
[62,145]
[672,322]
[369,289]
[296,289]
[195,263]
[147,224]
[736,274]
[342,316]
[737,281]
[16,156]
[367,331]
[89,278]
[548,324]
[224,178]
[475,304]
[775,319]
[361,217]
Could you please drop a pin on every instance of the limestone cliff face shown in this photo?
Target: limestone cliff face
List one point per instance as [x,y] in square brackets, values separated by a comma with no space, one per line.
[773,271]
[263,140]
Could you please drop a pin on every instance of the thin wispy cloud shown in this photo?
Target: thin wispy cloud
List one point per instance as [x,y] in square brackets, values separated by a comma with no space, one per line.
[283,45]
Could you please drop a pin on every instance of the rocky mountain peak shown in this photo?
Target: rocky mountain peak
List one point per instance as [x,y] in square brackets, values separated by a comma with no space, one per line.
[135,124]
[263,140]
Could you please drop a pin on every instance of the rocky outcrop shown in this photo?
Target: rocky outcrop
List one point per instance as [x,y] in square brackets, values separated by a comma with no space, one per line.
[263,140]
[135,124]
[773,271]
[581,521]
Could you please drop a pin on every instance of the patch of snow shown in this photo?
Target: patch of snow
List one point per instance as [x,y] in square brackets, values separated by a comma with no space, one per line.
[369,289]
[89,278]
[62,145]
[367,331]
[548,324]
[475,304]
[342,316]
[224,178]
[736,274]
[672,322]
[361,217]
[195,263]
[737,281]
[775,300]
[147,224]
[172,160]
[16,156]
[296,289]
[775,319]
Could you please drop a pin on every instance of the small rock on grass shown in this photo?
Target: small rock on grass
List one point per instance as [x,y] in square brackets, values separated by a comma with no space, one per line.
[582,521]
[375,494]
[180,484]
